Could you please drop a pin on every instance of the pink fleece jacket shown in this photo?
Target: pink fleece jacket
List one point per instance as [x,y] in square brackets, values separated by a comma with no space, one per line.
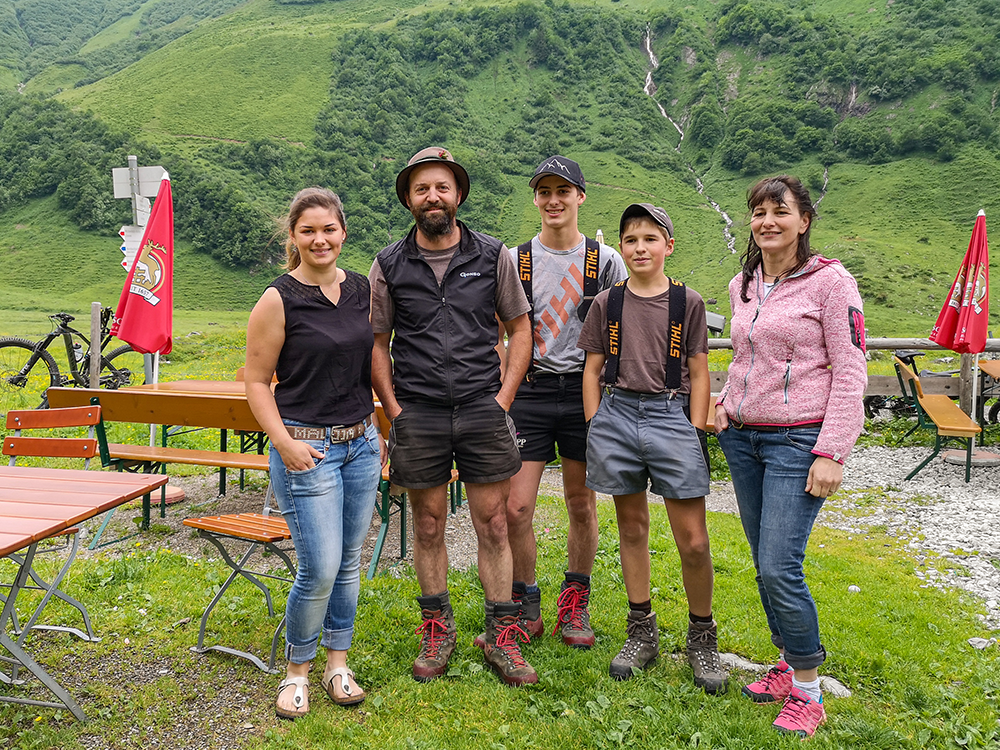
[799,355]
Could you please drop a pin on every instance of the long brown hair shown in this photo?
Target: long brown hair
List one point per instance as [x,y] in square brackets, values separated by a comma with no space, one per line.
[775,189]
[311,197]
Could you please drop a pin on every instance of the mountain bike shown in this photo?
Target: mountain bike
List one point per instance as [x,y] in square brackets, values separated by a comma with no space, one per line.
[27,369]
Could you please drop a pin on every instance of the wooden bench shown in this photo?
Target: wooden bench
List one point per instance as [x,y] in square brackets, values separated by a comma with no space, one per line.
[223,412]
[939,413]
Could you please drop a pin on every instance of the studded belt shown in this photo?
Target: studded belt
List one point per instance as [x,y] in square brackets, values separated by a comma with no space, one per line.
[338,433]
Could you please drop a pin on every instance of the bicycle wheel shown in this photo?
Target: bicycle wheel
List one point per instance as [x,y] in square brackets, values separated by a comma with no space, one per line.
[21,387]
[122,367]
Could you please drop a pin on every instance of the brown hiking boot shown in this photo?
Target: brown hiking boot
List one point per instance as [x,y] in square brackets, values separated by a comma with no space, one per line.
[437,638]
[703,656]
[502,651]
[642,645]
[573,617]
[529,614]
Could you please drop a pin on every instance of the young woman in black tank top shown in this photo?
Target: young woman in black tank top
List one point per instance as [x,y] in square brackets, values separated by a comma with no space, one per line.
[311,328]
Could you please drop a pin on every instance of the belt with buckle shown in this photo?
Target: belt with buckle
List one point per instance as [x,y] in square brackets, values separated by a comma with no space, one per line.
[338,433]
[773,427]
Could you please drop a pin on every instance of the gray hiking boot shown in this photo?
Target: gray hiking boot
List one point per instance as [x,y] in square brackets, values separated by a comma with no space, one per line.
[437,638]
[703,656]
[642,645]
[502,651]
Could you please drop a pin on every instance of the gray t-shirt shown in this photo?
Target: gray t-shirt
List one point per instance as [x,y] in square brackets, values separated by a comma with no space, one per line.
[644,338]
[509,298]
[557,290]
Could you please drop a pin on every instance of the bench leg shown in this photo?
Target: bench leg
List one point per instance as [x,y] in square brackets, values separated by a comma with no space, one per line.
[937,449]
[968,459]
[382,501]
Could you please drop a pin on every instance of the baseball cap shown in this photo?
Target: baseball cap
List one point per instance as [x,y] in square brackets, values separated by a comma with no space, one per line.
[430,155]
[657,214]
[560,166]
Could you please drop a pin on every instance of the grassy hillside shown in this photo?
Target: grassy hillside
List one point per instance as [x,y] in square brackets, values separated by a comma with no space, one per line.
[893,107]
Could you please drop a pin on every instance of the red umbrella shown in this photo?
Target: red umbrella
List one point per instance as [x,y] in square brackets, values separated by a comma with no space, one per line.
[963,321]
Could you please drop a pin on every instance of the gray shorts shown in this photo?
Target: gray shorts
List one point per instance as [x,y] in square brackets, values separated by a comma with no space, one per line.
[638,440]
[426,440]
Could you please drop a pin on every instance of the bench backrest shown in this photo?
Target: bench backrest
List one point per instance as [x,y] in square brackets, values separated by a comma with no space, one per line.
[223,412]
[908,377]
[52,447]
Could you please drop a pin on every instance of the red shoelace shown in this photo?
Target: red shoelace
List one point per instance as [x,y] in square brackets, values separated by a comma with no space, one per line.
[433,633]
[572,603]
[507,642]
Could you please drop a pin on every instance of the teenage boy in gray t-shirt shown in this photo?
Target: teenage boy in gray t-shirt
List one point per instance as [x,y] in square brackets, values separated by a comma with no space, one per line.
[561,272]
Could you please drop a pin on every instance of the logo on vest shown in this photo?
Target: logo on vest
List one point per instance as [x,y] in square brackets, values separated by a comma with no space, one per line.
[464,274]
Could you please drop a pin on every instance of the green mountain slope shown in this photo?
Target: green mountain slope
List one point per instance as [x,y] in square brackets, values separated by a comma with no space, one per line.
[888,112]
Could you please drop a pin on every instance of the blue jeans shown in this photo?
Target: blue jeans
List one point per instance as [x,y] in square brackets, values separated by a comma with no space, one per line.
[328,510]
[769,471]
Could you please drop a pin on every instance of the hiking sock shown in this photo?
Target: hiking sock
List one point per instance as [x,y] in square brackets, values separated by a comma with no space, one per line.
[809,688]
[532,588]
[696,618]
[578,578]
[645,607]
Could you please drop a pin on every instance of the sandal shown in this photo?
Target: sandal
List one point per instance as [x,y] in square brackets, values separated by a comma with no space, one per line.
[299,699]
[349,697]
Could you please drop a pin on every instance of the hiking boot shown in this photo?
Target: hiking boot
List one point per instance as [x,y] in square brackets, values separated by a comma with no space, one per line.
[530,614]
[437,638]
[502,651]
[801,714]
[531,608]
[772,687]
[703,656]
[642,645]
[573,618]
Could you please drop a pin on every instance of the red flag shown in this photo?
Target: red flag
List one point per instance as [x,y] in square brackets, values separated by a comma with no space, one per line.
[963,321]
[145,314]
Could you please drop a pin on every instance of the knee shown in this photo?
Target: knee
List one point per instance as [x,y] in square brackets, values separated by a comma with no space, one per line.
[519,516]
[582,508]
[493,530]
[633,532]
[778,577]
[695,550]
[428,527]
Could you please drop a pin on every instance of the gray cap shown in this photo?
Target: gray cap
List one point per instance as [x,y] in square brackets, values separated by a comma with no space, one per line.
[560,166]
[657,214]
[430,155]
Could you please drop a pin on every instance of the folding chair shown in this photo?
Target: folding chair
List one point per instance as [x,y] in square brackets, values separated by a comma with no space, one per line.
[52,447]
[262,532]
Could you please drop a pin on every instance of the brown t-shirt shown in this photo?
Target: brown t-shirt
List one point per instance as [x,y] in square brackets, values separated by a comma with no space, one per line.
[509,299]
[644,337]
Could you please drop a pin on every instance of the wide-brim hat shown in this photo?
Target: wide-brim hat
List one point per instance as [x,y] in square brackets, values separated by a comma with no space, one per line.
[429,156]
[647,210]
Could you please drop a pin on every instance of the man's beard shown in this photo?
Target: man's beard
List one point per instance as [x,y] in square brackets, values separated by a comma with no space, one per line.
[439,224]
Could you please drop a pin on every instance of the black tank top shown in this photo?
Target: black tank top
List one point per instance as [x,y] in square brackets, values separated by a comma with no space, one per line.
[325,366]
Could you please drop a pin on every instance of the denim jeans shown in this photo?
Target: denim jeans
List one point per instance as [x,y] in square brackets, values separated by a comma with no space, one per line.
[328,510]
[769,471]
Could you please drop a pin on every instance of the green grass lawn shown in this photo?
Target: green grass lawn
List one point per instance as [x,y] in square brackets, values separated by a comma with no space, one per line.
[900,648]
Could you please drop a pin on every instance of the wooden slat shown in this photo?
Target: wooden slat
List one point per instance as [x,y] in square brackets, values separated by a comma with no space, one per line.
[230,412]
[188,456]
[15,509]
[244,525]
[50,447]
[34,419]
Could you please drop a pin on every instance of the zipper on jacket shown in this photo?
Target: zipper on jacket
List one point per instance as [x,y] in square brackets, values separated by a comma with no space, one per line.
[788,377]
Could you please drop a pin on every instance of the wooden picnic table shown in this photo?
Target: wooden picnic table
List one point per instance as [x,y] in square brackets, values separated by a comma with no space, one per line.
[36,503]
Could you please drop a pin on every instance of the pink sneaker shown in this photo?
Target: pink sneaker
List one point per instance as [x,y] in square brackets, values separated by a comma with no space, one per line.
[772,687]
[800,715]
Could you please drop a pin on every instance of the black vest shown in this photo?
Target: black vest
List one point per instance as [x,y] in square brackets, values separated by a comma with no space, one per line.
[444,336]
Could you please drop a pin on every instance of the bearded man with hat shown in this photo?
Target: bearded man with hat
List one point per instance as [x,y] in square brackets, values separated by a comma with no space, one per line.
[436,297]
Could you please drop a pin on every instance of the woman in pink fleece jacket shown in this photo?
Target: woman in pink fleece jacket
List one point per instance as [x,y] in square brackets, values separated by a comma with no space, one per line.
[787,417]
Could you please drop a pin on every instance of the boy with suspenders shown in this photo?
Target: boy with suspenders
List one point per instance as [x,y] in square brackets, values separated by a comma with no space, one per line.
[561,272]
[645,387]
